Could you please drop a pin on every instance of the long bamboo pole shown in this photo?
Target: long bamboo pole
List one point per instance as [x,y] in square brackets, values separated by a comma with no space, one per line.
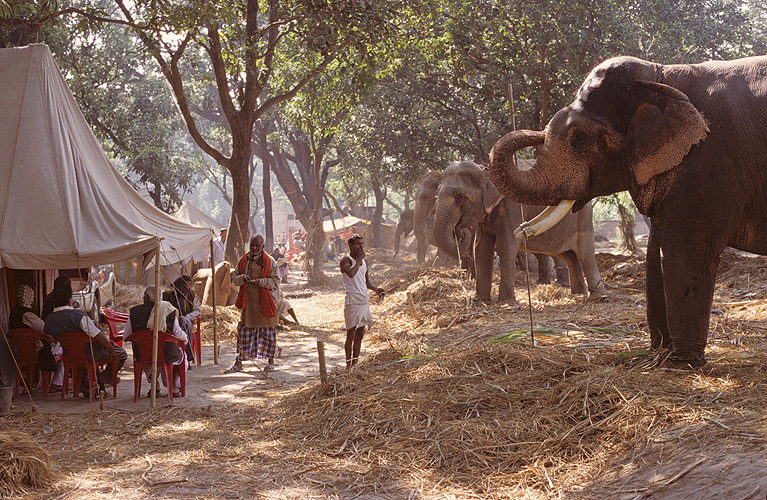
[213,298]
[155,329]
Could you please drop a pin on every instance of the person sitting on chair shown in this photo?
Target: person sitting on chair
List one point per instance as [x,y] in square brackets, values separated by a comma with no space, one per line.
[62,281]
[66,319]
[23,316]
[141,317]
[182,297]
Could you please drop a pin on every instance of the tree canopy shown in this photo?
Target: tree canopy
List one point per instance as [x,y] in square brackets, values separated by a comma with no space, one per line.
[324,91]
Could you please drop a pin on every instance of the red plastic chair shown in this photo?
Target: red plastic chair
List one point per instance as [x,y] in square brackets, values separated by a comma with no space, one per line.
[144,339]
[113,318]
[196,343]
[25,339]
[75,346]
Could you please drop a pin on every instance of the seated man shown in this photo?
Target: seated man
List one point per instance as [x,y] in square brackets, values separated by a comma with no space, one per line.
[182,297]
[62,281]
[285,307]
[66,319]
[22,316]
[141,317]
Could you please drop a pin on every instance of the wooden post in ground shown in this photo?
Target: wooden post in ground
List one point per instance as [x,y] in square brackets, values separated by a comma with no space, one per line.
[323,368]
[412,304]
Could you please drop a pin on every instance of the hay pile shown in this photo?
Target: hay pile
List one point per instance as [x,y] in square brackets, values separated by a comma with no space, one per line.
[227,318]
[23,464]
[128,296]
[494,415]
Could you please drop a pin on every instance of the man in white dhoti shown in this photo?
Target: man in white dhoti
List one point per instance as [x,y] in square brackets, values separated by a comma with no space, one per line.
[354,271]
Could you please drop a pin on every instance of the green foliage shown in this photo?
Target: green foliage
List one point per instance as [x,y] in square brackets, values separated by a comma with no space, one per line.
[129,107]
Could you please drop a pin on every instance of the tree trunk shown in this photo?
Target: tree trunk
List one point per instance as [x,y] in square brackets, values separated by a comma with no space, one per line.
[268,220]
[627,229]
[237,237]
[380,195]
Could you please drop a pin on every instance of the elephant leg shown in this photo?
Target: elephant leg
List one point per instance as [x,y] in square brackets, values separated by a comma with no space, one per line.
[574,272]
[484,261]
[507,257]
[589,263]
[546,271]
[421,251]
[655,295]
[689,265]
[560,271]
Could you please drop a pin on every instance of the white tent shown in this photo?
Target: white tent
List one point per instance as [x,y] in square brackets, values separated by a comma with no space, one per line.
[62,203]
[190,214]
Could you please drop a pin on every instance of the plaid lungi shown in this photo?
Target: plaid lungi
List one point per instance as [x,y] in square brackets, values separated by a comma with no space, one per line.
[255,343]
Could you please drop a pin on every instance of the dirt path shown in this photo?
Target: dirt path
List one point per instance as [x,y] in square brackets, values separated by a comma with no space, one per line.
[207,385]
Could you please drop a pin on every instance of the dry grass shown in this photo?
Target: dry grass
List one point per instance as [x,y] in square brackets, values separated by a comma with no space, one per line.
[454,402]
[24,465]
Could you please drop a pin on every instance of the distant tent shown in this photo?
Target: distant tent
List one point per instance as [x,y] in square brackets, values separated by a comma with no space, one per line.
[63,204]
[342,223]
[190,214]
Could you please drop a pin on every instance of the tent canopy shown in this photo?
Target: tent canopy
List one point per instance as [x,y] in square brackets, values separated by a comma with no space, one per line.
[62,203]
[190,214]
[342,223]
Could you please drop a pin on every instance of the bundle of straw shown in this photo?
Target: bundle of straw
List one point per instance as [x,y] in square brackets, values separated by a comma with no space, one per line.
[23,464]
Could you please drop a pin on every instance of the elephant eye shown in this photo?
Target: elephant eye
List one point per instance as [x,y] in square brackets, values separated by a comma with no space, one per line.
[461,198]
[579,140]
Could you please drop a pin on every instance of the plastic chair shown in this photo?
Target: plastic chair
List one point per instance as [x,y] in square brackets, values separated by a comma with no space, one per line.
[75,346]
[25,339]
[196,343]
[143,339]
[113,318]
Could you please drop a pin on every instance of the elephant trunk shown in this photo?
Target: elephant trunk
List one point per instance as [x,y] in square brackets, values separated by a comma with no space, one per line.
[532,187]
[529,187]
[447,216]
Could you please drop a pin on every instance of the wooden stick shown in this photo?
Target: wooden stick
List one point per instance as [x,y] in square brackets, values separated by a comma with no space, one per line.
[155,330]
[323,368]
[522,217]
[213,298]
[412,304]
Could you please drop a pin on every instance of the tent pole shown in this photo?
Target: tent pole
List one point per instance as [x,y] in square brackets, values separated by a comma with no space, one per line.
[155,329]
[213,293]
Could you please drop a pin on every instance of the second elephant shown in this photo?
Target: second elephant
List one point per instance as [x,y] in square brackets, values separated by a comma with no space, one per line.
[467,200]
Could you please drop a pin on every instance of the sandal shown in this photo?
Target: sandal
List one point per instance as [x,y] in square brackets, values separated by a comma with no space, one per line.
[232,369]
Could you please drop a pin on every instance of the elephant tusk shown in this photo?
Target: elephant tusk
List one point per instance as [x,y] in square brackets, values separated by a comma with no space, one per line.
[538,218]
[543,221]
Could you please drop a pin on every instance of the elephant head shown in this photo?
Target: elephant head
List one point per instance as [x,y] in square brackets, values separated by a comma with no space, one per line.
[464,198]
[624,130]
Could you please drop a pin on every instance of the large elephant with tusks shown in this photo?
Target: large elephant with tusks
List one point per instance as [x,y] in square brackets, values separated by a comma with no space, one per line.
[689,143]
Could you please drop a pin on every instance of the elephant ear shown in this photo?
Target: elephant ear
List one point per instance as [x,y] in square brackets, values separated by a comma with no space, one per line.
[663,130]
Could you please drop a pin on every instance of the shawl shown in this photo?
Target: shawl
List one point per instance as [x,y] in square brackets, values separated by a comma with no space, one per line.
[268,308]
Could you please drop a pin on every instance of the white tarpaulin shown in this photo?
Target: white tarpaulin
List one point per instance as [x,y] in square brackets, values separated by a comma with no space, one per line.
[190,214]
[62,203]
[341,223]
